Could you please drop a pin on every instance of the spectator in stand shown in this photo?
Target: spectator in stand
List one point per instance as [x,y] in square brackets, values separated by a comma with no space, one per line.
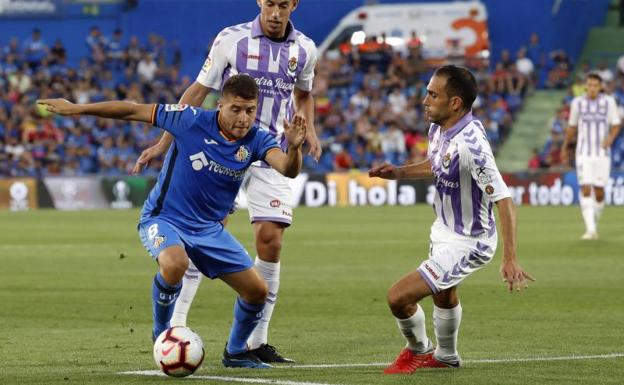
[558,76]
[96,45]
[115,53]
[605,73]
[535,162]
[146,68]
[343,160]
[620,66]
[526,67]
[35,49]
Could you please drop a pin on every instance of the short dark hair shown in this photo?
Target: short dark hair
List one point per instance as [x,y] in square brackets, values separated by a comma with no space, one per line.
[459,82]
[595,76]
[241,85]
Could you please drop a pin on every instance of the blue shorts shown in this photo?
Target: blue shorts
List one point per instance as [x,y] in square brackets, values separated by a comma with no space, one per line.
[213,250]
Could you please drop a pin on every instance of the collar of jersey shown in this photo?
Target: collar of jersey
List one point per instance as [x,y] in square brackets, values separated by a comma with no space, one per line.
[463,122]
[256,30]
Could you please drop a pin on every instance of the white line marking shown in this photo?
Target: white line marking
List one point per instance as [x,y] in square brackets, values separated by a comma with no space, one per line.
[227,379]
[478,361]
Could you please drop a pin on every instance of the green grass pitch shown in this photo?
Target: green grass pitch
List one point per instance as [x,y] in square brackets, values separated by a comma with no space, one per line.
[75,292]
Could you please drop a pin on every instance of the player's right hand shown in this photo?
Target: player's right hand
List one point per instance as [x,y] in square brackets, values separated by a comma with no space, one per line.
[59,106]
[385,171]
[295,131]
[146,156]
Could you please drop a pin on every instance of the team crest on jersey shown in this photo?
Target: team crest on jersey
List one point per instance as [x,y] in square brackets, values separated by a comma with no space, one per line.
[159,240]
[482,176]
[446,160]
[242,154]
[489,189]
[175,107]
[292,64]
[207,65]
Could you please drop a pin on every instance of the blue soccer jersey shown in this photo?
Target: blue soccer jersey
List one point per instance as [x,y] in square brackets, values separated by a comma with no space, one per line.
[203,170]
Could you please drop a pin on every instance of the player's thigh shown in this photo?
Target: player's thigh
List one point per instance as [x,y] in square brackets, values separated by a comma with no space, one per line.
[602,169]
[248,284]
[408,290]
[269,196]
[453,257]
[585,171]
[164,242]
[215,252]
[158,235]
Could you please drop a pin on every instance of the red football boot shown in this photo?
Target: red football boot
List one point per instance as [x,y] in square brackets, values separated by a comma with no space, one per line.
[407,362]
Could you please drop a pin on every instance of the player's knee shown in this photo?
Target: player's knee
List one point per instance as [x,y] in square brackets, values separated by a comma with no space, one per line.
[269,246]
[173,266]
[257,293]
[399,303]
[599,193]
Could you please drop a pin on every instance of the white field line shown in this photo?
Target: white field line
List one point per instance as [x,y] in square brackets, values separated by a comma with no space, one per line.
[372,364]
[476,361]
[228,379]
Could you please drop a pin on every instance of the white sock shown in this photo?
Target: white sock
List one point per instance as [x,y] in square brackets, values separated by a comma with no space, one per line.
[190,284]
[413,329]
[271,273]
[587,208]
[446,325]
[598,207]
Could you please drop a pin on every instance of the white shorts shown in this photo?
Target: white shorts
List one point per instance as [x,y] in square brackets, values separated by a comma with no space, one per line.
[593,171]
[268,194]
[453,257]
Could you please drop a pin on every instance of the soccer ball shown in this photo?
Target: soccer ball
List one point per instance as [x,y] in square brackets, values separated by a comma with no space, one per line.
[178,351]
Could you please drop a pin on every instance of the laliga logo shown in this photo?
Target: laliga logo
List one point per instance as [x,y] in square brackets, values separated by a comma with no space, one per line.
[19,196]
[121,191]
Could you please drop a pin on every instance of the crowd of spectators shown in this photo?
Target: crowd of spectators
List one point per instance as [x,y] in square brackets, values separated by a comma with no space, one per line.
[34,143]
[368,100]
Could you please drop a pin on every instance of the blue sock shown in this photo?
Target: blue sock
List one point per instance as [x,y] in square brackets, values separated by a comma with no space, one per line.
[163,301]
[246,317]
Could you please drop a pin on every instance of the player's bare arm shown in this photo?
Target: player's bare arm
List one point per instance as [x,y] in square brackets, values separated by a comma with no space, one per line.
[304,102]
[418,170]
[289,164]
[194,96]
[613,134]
[511,271]
[113,110]
[570,134]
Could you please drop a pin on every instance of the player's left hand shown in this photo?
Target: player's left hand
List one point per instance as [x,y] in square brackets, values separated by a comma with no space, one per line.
[59,106]
[606,144]
[513,274]
[295,131]
[315,146]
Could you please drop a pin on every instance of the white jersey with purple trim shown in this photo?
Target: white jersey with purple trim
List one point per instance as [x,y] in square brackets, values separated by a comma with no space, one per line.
[467,180]
[277,67]
[593,119]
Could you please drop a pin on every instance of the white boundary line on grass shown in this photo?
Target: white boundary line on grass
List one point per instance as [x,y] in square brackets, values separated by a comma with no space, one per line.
[478,361]
[228,379]
[326,366]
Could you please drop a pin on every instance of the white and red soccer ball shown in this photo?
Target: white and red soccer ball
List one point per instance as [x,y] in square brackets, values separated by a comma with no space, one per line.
[178,351]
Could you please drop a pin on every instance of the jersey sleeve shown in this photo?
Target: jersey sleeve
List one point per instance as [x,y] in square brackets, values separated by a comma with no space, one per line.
[306,77]
[266,143]
[175,118]
[613,115]
[574,112]
[211,73]
[480,160]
